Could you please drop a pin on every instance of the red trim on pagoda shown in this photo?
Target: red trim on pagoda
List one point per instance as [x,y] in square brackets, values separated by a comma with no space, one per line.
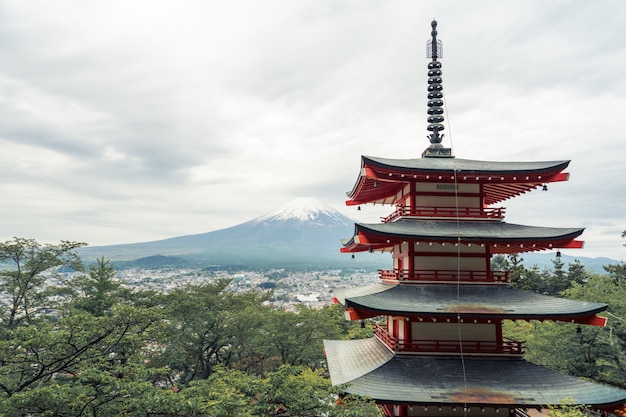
[354,313]
[504,346]
[486,213]
[592,321]
[380,184]
[619,411]
[443,276]
[386,243]
[574,244]
[563,176]
[358,314]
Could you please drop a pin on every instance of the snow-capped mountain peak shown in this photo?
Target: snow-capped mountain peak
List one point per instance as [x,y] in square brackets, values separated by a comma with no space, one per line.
[306,209]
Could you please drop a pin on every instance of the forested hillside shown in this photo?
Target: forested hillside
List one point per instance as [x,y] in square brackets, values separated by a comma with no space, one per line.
[85,345]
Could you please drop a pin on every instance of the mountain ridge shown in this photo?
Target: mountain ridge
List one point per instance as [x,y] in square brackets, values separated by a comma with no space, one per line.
[305,232]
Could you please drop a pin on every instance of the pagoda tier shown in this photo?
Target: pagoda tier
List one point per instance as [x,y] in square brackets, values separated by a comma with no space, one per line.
[498,237]
[443,303]
[389,181]
[439,385]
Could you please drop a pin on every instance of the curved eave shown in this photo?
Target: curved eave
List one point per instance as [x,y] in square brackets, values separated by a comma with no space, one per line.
[380,179]
[472,301]
[512,383]
[501,237]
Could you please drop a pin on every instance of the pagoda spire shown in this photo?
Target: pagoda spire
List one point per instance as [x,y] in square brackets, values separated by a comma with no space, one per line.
[434,50]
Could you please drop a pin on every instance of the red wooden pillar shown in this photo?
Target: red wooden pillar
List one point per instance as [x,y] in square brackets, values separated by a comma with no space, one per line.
[488,261]
[411,259]
[499,337]
[402,410]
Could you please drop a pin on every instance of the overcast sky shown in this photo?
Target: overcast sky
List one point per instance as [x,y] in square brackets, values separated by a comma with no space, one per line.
[129,121]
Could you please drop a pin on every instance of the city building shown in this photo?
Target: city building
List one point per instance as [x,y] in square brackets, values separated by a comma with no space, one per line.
[440,350]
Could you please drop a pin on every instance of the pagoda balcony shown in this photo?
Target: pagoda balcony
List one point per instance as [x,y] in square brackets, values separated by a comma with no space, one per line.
[441,276]
[506,346]
[473,213]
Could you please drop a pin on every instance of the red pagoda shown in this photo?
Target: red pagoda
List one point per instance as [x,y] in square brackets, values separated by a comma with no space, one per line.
[441,351]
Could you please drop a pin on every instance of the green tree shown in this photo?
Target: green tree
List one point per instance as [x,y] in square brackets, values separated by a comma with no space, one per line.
[249,348]
[91,392]
[532,279]
[203,326]
[98,291]
[605,289]
[35,355]
[87,346]
[576,273]
[580,350]
[557,279]
[226,392]
[54,356]
[297,391]
[576,350]
[296,338]
[568,408]
[617,271]
[529,279]
[288,391]
[24,280]
[548,282]
[196,331]
[301,391]
[500,263]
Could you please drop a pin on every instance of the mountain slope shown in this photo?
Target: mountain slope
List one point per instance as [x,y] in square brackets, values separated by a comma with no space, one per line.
[304,231]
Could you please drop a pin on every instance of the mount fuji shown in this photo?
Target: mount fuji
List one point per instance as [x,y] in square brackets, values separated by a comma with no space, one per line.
[304,232]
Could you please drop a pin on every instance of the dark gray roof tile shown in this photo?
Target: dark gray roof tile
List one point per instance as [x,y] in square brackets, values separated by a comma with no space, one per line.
[472,381]
[477,231]
[467,165]
[472,300]
[358,357]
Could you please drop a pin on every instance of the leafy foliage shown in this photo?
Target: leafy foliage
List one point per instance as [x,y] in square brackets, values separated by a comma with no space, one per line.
[567,408]
[592,352]
[548,282]
[81,344]
[24,286]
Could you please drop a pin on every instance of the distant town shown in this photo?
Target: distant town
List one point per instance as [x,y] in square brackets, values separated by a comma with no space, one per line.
[312,288]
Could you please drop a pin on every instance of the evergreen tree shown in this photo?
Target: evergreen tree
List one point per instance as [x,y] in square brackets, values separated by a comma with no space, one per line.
[557,279]
[576,273]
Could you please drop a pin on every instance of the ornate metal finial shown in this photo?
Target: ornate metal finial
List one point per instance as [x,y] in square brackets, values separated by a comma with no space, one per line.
[434,50]
[434,47]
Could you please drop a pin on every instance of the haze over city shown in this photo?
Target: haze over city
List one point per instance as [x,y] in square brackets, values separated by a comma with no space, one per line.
[124,122]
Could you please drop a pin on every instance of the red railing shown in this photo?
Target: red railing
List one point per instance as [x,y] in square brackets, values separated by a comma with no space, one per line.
[452,212]
[445,275]
[385,337]
[504,347]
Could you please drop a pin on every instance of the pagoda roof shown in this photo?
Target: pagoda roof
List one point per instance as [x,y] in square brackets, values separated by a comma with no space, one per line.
[370,369]
[381,178]
[501,236]
[472,301]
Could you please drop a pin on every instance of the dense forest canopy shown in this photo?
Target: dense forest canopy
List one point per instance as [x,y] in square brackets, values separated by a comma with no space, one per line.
[84,344]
